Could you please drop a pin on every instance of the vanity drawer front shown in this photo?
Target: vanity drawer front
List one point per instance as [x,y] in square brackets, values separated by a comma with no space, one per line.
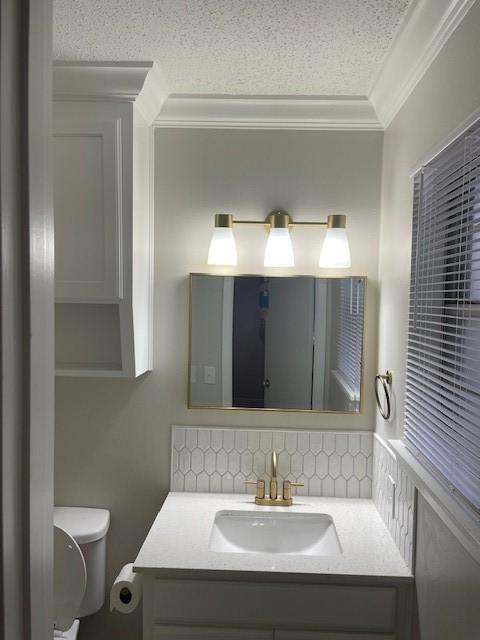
[326,635]
[285,605]
[167,632]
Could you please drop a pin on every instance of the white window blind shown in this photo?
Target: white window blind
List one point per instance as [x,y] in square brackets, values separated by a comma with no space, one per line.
[442,420]
[350,334]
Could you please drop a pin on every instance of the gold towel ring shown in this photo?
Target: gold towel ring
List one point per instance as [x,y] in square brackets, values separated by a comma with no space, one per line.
[386,380]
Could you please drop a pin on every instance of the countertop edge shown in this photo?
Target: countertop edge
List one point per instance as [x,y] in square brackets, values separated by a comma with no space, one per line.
[272,576]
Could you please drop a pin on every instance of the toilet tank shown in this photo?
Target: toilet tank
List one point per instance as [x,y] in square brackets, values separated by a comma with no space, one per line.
[89,529]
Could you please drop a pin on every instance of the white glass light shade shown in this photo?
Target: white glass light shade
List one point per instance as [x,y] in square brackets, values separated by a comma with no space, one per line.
[335,253]
[223,250]
[279,250]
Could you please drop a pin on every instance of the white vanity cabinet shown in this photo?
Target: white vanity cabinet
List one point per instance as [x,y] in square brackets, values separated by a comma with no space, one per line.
[103,224]
[167,632]
[211,633]
[320,635]
[181,609]
[360,590]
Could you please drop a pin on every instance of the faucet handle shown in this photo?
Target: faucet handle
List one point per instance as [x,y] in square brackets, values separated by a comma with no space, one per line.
[260,484]
[287,488]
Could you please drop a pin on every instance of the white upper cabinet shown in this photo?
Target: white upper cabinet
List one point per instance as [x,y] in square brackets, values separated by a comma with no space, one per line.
[87,154]
[103,204]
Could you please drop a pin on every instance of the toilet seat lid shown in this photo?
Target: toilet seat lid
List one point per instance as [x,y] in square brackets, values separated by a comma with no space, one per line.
[70,578]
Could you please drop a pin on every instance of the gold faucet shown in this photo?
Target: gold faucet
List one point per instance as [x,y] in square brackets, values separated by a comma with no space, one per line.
[274,500]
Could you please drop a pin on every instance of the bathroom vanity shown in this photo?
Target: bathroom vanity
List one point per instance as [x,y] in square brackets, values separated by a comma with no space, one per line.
[217,566]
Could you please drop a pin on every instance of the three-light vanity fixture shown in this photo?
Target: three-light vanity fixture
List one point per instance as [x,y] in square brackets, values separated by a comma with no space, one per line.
[335,252]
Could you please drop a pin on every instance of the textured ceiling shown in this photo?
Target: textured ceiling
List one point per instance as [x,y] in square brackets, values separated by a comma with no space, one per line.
[249,47]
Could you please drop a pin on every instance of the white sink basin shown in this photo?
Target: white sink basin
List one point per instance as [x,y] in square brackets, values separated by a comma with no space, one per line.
[307,534]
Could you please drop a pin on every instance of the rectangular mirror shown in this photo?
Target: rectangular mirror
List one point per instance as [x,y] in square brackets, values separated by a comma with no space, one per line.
[285,343]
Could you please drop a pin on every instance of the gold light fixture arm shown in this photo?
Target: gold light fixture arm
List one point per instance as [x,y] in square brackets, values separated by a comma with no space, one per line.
[333,221]
[279,219]
[249,222]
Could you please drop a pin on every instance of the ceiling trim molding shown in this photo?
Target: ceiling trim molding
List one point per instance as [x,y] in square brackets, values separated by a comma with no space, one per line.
[139,82]
[275,112]
[426,27]
[99,80]
[154,92]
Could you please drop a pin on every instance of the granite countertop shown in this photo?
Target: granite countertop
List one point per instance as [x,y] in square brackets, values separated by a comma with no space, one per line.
[177,544]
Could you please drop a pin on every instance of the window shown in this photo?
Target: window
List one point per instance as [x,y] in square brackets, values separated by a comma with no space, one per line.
[442,420]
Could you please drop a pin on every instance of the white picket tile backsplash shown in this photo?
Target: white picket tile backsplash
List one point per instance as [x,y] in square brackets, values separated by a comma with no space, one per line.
[401,523]
[220,460]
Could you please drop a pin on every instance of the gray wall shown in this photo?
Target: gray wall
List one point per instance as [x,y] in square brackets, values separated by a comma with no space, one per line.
[446,95]
[447,582]
[113,436]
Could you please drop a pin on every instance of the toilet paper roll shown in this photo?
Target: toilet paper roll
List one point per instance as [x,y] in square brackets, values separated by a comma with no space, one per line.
[126,591]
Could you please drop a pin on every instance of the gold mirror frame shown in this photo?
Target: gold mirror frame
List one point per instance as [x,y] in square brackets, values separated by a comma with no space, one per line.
[262,275]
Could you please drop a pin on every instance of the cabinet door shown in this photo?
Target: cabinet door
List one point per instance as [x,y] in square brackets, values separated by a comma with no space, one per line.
[328,635]
[166,632]
[88,210]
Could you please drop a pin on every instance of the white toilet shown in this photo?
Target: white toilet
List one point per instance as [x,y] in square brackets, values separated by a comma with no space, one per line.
[79,566]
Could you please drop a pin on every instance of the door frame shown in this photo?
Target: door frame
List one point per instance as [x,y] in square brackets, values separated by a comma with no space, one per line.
[27,321]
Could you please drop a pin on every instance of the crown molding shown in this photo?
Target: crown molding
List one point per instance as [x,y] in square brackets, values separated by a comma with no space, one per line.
[141,83]
[273,112]
[99,80]
[426,27]
[154,92]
